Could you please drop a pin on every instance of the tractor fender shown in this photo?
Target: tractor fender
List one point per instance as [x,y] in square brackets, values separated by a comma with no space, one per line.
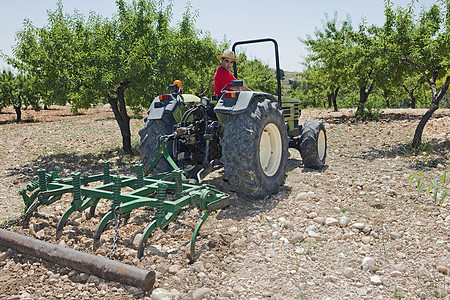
[159,107]
[235,106]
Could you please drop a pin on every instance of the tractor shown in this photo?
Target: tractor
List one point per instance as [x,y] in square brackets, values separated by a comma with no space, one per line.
[248,133]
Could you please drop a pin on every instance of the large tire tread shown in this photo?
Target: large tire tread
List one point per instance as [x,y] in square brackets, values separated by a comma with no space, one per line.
[240,150]
[310,144]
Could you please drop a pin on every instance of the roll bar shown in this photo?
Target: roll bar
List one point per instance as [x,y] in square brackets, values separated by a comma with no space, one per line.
[277,60]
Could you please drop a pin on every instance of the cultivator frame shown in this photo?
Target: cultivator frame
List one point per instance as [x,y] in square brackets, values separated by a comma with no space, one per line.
[167,193]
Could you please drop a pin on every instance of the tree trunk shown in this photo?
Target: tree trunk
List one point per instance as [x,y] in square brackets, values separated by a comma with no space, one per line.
[334,98]
[437,96]
[411,95]
[17,108]
[120,113]
[363,96]
[329,96]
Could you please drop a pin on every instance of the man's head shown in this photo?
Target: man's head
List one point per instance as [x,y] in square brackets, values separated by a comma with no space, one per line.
[227,59]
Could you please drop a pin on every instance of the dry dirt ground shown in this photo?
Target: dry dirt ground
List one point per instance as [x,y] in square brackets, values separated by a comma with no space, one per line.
[355,230]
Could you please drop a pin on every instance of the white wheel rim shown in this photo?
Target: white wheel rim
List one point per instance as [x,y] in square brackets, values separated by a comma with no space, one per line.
[270,149]
[321,145]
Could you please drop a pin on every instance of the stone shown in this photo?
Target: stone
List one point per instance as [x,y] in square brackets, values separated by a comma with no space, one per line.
[271,252]
[366,240]
[288,224]
[331,222]
[375,280]
[4,256]
[93,279]
[310,240]
[359,226]
[161,294]
[200,293]
[362,291]
[303,196]
[84,276]
[343,221]
[297,237]
[174,269]
[316,236]
[319,220]
[312,215]
[368,262]
[399,267]
[137,239]
[348,273]
[233,229]
[238,288]
[442,268]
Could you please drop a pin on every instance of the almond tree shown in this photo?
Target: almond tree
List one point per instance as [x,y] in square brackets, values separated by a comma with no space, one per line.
[125,60]
[422,43]
[328,62]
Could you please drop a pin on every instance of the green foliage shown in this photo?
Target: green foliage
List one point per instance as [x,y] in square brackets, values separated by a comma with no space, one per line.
[126,60]
[431,185]
[19,91]
[328,65]
[256,75]
[368,114]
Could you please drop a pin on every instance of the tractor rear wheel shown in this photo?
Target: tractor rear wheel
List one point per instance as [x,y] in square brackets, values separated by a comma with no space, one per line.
[313,144]
[149,140]
[255,150]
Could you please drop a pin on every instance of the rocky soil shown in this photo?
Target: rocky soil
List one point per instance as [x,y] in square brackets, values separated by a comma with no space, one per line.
[355,230]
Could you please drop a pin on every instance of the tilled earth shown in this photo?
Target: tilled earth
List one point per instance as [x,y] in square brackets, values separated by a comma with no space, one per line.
[355,230]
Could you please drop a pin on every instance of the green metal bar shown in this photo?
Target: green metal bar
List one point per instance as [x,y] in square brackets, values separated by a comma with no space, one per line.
[161,147]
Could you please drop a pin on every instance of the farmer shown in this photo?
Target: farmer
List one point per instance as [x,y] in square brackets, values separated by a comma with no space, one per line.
[223,75]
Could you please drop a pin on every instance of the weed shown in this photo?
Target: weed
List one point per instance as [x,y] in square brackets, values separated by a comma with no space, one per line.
[344,209]
[368,114]
[302,295]
[397,293]
[434,185]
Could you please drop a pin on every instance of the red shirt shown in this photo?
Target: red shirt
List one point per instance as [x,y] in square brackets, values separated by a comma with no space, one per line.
[221,79]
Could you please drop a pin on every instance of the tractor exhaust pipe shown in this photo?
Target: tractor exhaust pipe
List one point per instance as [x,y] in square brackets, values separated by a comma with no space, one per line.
[83,262]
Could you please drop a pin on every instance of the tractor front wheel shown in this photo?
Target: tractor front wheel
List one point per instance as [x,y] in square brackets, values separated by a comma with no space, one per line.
[254,150]
[313,144]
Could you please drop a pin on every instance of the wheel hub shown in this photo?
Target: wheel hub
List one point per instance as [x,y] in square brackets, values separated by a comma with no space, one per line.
[270,149]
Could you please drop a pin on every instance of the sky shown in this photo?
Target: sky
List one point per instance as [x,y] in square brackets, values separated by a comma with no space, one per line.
[283,20]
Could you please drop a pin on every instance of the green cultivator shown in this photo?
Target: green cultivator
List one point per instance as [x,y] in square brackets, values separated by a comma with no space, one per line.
[167,194]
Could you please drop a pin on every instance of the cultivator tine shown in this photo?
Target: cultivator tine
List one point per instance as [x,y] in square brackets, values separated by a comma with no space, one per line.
[147,231]
[62,221]
[194,236]
[101,227]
